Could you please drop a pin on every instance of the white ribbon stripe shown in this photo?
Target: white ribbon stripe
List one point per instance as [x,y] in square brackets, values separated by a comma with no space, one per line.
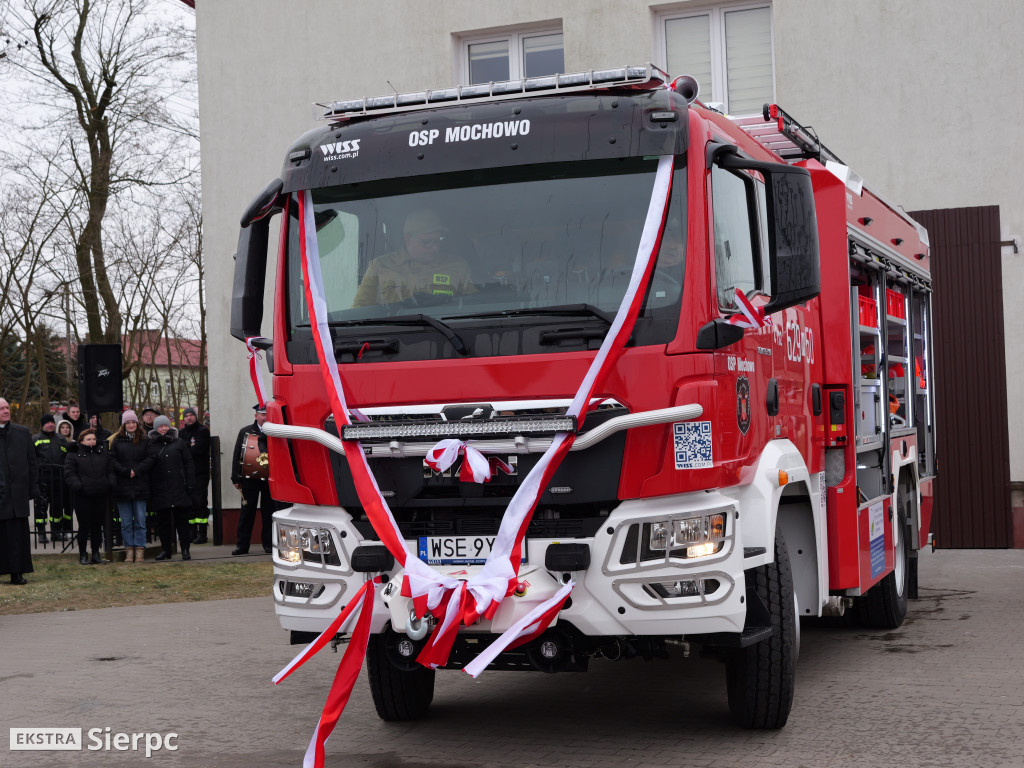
[521,628]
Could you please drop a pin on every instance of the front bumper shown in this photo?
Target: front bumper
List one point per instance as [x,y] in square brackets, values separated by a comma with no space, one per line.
[613,597]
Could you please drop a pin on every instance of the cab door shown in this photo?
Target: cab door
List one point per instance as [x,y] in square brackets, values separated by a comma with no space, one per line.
[743,370]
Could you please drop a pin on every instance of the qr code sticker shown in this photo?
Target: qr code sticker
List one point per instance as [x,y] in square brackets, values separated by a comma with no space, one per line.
[692,444]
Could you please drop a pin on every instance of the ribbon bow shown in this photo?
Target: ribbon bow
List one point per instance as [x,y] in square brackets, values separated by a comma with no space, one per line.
[475,469]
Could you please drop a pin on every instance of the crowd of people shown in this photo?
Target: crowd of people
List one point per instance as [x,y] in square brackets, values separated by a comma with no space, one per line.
[147,467]
[146,470]
[148,474]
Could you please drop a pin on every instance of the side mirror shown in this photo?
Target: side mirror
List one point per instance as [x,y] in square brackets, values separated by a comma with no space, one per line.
[251,263]
[793,259]
[717,334]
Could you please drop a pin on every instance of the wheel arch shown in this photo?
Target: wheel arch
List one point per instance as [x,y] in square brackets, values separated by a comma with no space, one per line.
[795,508]
[796,522]
[905,478]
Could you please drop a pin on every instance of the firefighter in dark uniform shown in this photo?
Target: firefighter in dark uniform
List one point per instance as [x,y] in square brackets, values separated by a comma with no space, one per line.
[197,438]
[250,472]
[51,450]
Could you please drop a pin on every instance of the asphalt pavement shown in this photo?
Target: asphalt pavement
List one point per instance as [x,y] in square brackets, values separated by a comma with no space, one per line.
[945,690]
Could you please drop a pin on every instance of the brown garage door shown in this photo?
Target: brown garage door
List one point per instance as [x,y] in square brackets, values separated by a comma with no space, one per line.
[972,489]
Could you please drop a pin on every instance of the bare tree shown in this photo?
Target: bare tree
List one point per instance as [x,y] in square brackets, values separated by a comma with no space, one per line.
[159,274]
[106,121]
[28,231]
[187,252]
[93,68]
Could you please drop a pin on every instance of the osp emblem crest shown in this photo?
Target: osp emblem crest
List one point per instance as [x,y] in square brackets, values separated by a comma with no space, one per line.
[743,403]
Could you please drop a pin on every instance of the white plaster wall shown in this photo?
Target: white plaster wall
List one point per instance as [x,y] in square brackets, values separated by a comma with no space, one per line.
[923,99]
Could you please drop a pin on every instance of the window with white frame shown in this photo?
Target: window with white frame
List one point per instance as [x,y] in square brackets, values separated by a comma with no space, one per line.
[509,55]
[728,48]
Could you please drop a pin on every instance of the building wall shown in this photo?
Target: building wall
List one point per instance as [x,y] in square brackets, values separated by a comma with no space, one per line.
[185,387]
[923,99]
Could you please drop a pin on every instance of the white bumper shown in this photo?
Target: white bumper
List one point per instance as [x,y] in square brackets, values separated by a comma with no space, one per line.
[611,598]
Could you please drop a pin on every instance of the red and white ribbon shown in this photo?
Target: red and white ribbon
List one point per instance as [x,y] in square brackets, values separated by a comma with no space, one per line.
[262,393]
[451,600]
[530,626]
[753,317]
[503,561]
[348,668]
[477,468]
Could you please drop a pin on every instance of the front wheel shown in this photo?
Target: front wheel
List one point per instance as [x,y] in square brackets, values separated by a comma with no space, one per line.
[760,678]
[399,693]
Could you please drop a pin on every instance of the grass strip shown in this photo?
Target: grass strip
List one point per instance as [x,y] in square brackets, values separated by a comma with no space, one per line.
[60,583]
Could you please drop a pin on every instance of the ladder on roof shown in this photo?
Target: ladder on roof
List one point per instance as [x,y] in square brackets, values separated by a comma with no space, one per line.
[778,132]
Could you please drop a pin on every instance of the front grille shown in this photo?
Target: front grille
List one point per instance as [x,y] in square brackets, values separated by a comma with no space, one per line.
[585,480]
[578,528]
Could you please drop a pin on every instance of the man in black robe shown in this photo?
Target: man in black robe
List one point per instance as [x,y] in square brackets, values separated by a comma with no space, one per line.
[19,483]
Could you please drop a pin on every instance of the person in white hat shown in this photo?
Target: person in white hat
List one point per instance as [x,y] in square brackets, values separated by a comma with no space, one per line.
[172,482]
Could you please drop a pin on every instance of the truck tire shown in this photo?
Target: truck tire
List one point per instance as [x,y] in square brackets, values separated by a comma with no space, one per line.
[760,677]
[398,694]
[885,604]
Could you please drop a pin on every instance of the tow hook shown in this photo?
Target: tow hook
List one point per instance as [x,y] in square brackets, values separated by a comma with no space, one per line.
[416,628]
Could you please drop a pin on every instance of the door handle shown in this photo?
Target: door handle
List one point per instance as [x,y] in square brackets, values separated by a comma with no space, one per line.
[772,397]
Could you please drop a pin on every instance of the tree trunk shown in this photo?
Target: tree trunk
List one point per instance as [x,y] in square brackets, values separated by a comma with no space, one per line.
[41,348]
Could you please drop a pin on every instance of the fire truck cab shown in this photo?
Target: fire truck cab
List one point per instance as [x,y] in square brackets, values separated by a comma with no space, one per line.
[475,245]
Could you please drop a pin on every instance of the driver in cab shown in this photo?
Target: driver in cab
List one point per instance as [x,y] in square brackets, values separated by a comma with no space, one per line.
[421,269]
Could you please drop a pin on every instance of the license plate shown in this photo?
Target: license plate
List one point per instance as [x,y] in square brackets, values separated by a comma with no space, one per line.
[457,550]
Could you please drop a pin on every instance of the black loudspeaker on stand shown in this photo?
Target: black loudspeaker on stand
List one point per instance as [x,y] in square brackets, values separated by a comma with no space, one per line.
[99,378]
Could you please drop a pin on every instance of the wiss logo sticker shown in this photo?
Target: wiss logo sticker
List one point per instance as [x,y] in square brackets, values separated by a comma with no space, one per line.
[341,150]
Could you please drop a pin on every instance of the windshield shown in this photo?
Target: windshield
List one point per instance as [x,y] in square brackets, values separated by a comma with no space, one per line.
[471,245]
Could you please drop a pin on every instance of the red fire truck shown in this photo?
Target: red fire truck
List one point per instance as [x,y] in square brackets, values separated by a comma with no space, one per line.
[761,449]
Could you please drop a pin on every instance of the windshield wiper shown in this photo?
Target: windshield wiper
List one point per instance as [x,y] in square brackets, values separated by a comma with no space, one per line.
[433,322]
[567,310]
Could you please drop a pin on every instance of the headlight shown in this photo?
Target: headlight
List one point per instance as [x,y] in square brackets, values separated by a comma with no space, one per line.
[304,589]
[299,543]
[660,535]
[687,588]
[688,531]
[684,537]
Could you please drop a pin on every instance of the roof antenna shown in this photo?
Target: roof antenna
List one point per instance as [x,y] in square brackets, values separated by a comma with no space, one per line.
[392,87]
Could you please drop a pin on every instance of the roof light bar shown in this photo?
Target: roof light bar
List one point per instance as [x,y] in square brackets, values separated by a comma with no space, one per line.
[645,77]
[462,429]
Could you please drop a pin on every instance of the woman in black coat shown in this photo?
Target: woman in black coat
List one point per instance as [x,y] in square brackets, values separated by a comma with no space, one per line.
[66,430]
[87,473]
[172,480]
[131,462]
